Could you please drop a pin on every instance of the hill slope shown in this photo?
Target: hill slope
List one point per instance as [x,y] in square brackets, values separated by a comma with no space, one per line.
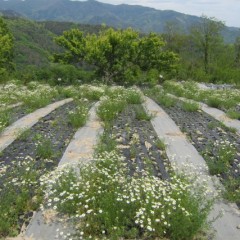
[34,40]
[144,19]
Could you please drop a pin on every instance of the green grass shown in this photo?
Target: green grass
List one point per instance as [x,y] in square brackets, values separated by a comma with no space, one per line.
[160,144]
[44,149]
[232,190]
[214,102]
[166,101]
[220,163]
[233,114]
[141,113]
[134,96]
[35,102]
[109,109]
[78,117]
[110,205]
[5,118]
[20,194]
[190,106]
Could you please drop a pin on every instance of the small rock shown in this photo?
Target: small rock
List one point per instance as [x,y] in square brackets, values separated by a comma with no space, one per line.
[238,227]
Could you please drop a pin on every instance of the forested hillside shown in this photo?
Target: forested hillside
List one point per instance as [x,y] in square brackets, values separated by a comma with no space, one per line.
[34,40]
[203,56]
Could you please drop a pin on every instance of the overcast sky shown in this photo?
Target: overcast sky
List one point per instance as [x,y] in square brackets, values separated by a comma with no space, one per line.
[227,11]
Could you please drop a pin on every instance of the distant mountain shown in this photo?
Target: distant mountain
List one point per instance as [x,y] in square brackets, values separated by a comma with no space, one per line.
[144,19]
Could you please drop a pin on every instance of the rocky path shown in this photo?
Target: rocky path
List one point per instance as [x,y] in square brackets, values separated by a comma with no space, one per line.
[181,152]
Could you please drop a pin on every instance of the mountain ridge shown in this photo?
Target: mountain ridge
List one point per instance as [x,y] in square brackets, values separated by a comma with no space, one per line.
[143,19]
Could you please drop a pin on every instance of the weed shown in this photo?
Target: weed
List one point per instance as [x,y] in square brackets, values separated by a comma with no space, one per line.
[35,102]
[214,102]
[109,109]
[5,117]
[233,114]
[20,193]
[166,100]
[134,96]
[24,134]
[232,190]
[190,106]
[215,124]
[133,152]
[224,156]
[78,117]
[45,149]
[160,145]
[109,204]
[106,143]
[141,113]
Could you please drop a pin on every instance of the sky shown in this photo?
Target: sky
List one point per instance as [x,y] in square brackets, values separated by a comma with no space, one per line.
[227,11]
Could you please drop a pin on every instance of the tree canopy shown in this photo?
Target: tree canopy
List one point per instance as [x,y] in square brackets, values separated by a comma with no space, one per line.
[6,47]
[206,36]
[118,55]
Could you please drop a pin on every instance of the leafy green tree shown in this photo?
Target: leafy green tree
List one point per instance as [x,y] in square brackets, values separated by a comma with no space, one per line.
[237,51]
[174,36]
[6,48]
[112,53]
[118,56]
[206,36]
[152,55]
[74,43]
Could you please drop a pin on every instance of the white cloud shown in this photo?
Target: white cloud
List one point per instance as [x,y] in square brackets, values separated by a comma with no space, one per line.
[224,10]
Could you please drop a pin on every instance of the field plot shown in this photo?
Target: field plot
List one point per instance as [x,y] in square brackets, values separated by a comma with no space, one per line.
[35,152]
[227,99]
[130,190]
[218,144]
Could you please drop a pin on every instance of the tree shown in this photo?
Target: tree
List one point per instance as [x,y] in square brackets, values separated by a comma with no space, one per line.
[117,55]
[237,51]
[74,44]
[152,55]
[6,48]
[112,53]
[206,36]
[174,36]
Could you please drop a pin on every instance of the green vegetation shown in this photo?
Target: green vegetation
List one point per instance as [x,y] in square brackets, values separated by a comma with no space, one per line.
[141,113]
[161,97]
[113,205]
[118,56]
[160,144]
[4,119]
[78,117]
[221,163]
[21,193]
[190,106]
[44,149]
[233,114]
[116,100]
[6,50]
[225,99]
[196,56]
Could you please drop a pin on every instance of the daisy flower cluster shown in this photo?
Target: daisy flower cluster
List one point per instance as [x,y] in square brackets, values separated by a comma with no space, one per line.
[106,203]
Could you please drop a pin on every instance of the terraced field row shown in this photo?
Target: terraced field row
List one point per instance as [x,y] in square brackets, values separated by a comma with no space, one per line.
[132,188]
